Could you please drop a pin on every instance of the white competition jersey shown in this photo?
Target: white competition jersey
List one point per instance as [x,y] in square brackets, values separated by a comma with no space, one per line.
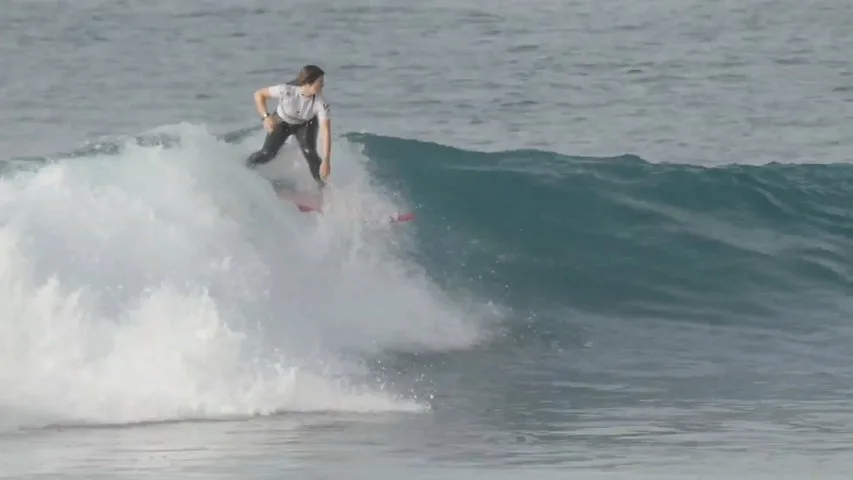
[295,108]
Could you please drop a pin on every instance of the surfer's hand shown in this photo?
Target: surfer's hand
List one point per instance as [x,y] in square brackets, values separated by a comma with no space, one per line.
[325,169]
[269,124]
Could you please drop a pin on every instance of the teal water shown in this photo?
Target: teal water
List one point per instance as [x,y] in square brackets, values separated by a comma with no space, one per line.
[631,256]
[623,236]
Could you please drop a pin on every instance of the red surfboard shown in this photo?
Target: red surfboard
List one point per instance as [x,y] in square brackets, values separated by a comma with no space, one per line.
[309,202]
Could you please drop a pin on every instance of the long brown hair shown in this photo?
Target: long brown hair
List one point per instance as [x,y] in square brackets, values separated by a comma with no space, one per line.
[308,75]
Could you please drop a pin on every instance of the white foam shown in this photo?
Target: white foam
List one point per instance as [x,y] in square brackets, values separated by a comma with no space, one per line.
[168,283]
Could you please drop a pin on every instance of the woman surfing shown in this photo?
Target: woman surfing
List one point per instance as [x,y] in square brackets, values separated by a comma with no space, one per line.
[301,111]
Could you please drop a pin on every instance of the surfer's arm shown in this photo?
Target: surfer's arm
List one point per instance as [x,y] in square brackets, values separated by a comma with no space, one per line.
[264,94]
[326,139]
[322,109]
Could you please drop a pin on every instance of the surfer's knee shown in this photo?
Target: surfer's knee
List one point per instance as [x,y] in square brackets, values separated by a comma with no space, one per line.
[313,160]
[311,155]
[258,158]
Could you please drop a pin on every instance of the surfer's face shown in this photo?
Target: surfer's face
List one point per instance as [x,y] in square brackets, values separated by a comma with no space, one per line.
[316,87]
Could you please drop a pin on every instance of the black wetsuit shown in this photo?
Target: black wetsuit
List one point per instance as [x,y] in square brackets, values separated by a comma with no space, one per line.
[306,136]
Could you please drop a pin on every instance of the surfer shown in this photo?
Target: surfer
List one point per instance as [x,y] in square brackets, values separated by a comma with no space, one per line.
[301,112]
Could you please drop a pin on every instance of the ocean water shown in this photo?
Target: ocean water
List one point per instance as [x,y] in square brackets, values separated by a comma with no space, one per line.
[631,256]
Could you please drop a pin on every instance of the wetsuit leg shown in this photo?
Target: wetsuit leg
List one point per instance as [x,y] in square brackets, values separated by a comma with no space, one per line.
[272,144]
[306,136]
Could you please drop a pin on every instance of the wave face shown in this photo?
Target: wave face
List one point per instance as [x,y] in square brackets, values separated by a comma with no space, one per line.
[622,236]
[159,280]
